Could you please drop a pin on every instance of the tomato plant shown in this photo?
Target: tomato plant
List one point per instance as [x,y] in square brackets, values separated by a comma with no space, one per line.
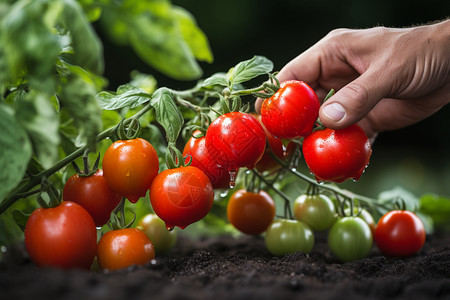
[202,159]
[292,111]
[130,166]
[317,211]
[286,236]
[237,140]
[63,236]
[94,194]
[122,248]
[399,233]
[249,212]
[181,196]
[350,238]
[337,155]
[163,240]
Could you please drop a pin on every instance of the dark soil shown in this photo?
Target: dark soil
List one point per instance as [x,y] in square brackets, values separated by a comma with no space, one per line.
[239,268]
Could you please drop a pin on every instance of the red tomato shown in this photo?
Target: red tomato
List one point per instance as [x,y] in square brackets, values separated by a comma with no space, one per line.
[181,196]
[292,111]
[337,155]
[130,166]
[399,233]
[237,140]
[202,159]
[122,248]
[274,147]
[94,194]
[63,236]
[251,213]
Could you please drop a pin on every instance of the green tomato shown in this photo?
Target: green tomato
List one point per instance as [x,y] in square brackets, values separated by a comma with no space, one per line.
[350,238]
[163,240]
[288,236]
[365,216]
[317,211]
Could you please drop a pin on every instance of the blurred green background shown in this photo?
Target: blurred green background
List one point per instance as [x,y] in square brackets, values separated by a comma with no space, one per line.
[415,158]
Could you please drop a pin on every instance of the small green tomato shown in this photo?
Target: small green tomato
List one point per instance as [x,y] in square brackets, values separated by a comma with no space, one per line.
[163,240]
[288,236]
[317,211]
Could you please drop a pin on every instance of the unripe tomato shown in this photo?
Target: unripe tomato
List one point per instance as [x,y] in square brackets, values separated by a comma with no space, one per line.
[350,238]
[130,166]
[292,111]
[288,236]
[317,211]
[337,155]
[123,248]
[249,212]
[63,236]
[400,233]
[181,196]
[94,194]
[236,140]
[163,240]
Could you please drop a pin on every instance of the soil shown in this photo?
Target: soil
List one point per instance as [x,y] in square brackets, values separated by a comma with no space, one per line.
[225,267]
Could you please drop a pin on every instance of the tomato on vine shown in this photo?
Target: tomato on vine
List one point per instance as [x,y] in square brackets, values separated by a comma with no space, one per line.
[63,236]
[181,196]
[122,248]
[237,140]
[337,155]
[202,159]
[94,194]
[292,111]
[249,212]
[286,236]
[400,233]
[163,240]
[316,210]
[130,166]
[350,238]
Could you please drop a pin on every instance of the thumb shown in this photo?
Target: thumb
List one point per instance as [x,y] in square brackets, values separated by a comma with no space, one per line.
[353,102]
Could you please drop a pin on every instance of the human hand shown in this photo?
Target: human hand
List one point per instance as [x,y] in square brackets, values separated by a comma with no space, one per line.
[385,78]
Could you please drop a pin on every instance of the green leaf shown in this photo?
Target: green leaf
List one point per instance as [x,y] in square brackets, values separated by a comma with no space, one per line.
[127,96]
[37,115]
[249,69]
[15,151]
[216,79]
[438,208]
[20,218]
[193,35]
[167,113]
[397,194]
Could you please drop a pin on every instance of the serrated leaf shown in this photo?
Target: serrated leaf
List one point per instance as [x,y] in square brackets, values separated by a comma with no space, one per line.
[167,113]
[127,96]
[249,69]
[15,151]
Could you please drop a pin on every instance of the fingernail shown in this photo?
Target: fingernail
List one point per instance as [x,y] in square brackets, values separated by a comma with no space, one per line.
[334,111]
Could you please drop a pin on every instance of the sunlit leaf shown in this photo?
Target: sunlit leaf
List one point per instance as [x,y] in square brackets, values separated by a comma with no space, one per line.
[249,69]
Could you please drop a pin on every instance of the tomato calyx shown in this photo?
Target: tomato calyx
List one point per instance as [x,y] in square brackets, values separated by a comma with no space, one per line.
[86,169]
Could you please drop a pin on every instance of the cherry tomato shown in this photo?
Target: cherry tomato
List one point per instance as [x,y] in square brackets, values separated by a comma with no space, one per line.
[94,194]
[163,240]
[400,233]
[237,140]
[337,155]
[350,238]
[181,196]
[365,216]
[130,166]
[317,211]
[251,213]
[202,159]
[288,236]
[122,248]
[292,111]
[275,147]
[63,236]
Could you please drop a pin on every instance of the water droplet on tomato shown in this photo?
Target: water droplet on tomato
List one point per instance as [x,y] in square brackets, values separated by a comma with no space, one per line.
[98,227]
[232,178]
[224,194]
[284,148]
[170,228]
[127,172]
[248,172]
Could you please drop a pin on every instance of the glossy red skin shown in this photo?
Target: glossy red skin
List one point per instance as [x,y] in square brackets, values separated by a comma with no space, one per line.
[249,212]
[337,155]
[237,140]
[400,233]
[64,237]
[202,159]
[118,249]
[181,196]
[94,194]
[130,166]
[292,111]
